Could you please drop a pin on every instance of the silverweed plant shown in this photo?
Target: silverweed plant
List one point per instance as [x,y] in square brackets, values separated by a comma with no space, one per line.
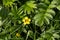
[29,19]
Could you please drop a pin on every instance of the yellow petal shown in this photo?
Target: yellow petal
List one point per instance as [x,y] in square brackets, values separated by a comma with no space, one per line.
[17,34]
[28,23]
[29,19]
[26,17]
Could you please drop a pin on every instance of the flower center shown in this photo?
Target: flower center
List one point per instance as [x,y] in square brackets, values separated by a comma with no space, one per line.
[26,20]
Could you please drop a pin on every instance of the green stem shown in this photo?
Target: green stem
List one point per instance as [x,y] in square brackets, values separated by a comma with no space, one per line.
[35,34]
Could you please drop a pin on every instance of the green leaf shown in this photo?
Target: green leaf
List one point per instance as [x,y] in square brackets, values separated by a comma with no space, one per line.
[48,15]
[47,20]
[51,11]
[42,18]
[1,23]
[56,35]
[8,3]
[28,7]
[39,19]
[47,1]
[58,7]
[52,6]
[1,39]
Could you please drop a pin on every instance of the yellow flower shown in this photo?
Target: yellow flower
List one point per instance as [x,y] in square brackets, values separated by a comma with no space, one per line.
[26,20]
[17,34]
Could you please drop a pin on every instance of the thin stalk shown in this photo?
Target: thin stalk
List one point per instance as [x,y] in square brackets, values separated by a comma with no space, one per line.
[35,34]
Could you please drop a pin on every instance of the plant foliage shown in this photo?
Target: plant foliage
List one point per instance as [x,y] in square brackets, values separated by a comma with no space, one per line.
[29,19]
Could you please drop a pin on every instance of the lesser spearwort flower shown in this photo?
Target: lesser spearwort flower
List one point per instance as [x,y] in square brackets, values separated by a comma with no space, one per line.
[26,20]
[17,34]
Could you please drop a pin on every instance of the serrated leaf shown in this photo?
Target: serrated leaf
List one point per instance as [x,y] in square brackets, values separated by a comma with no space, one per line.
[47,1]
[39,19]
[56,35]
[52,6]
[28,7]
[1,23]
[48,15]
[58,7]
[51,11]
[47,20]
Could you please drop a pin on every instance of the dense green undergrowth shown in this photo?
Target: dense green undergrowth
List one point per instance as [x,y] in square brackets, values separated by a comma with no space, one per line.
[29,19]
